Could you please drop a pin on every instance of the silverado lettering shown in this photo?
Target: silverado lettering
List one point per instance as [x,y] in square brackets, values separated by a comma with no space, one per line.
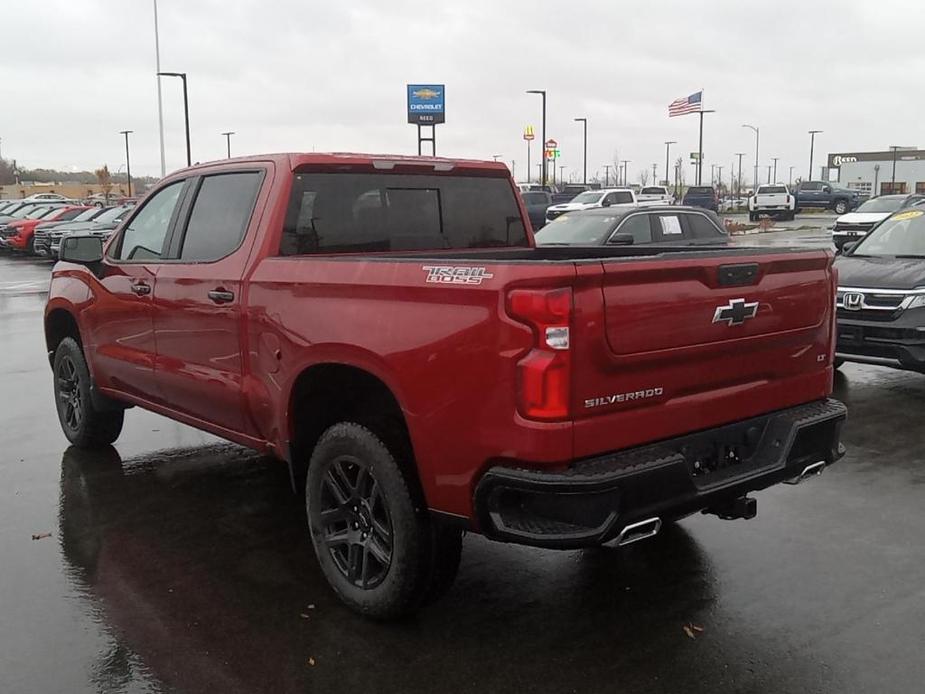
[277,301]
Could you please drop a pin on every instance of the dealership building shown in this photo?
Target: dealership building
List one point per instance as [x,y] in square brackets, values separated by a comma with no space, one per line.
[873,172]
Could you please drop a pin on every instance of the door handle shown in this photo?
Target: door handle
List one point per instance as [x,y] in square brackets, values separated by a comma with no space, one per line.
[141,289]
[221,296]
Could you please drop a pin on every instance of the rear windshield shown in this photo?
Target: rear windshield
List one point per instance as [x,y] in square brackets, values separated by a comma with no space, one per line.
[373,212]
[700,190]
[535,198]
[652,191]
[771,189]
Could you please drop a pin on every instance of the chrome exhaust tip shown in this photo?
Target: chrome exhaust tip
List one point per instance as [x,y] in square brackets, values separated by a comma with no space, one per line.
[639,531]
[808,471]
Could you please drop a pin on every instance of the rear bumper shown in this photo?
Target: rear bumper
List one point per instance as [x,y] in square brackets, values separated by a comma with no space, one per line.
[593,500]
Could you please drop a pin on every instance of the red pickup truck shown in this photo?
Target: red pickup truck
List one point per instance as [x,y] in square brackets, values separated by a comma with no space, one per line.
[387,327]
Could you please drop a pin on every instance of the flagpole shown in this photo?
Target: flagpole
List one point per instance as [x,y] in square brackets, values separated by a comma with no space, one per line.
[700,150]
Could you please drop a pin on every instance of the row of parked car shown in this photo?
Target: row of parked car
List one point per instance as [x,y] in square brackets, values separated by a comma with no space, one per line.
[36,226]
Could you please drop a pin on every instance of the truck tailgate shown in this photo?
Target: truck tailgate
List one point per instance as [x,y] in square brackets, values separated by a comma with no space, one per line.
[667,347]
[772,200]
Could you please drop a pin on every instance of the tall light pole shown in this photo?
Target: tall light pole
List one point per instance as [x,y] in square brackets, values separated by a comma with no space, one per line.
[128,165]
[812,141]
[561,178]
[182,76]
[752,127]
[775,160]
[228,141]
[739,182]
[654,175]
[894,149]
[496,157]
[769,173]
[790,177]
[542,92]
[625,175]
[606,175]
[668,144]
[584,175]
[160,103]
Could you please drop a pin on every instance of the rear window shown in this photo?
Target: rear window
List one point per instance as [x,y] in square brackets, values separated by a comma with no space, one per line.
[771,189]
[700,190]
[372,212]
[702,228]
[652,191]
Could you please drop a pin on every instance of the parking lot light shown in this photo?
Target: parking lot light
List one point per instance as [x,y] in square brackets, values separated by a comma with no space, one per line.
[128,165]
[182,76]
[812,140]
[228,141]
[752,127]
[584,122]
[668,144]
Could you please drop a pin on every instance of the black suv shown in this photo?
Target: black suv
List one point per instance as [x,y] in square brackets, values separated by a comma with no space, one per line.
[880,303]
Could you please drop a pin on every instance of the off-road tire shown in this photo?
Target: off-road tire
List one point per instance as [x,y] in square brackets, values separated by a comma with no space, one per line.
[423,555]
[841,207]
[82,422]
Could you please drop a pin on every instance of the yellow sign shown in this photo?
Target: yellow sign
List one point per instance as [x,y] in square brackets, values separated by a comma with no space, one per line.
[528,133]
[911,214]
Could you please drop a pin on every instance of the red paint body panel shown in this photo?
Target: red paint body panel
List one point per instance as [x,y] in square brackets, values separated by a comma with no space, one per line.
[450,353]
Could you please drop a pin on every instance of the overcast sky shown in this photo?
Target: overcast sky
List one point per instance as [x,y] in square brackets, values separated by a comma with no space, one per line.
[290,75]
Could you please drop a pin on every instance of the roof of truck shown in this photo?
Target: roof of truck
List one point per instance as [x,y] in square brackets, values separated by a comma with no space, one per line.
[297,160]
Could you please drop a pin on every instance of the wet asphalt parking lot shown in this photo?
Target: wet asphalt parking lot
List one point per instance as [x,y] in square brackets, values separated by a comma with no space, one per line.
[177,563]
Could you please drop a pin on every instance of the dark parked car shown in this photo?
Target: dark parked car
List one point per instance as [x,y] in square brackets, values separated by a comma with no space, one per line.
[537,203]
[824,195]
[880,303]
[624,226]
[701,196]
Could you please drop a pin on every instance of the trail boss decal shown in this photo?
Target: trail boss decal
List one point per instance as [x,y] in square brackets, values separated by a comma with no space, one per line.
[624,397]
[455,274]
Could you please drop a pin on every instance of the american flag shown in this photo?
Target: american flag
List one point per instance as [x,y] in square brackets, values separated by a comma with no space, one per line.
[686,104]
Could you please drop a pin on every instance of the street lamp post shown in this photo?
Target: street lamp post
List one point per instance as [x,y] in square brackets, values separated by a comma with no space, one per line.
[496,157]
[654,175]
[752,127]
[561,175]
[769,173]
[182,76]
[128,165]
[606,175]
[876,179]
[790,177]
[668,144]
[700,151]
[812,141]
[739,181]
[775,160]
[228,141]
[542,92]
[625,170]
[584,176]
[893,148]
[160,102]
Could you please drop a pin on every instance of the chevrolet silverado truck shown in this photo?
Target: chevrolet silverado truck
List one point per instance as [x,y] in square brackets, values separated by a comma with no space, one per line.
[824,195]
[387,326]
[771,199]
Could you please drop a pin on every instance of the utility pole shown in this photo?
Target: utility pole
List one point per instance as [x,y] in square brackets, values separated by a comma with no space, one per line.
[228,141]
[812,141]
[668,144]
[739,182]
[542,92]
[752,127]
[625,179]
[775,159]
[790,177]
[561,178]
[584,176]
[893,148]
[128,164]
[719,176]
[654,176]
[606,175]
[769,173]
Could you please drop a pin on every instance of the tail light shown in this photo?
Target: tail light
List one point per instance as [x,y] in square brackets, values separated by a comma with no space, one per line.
[544,374]
[787,201]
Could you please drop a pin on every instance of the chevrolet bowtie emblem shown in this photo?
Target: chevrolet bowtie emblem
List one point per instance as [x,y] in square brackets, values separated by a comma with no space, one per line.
[736,312]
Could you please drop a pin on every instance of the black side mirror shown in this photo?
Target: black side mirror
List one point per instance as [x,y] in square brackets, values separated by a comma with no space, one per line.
[621,240]
[605,203]
[85,250]
[826,189]
[848,247]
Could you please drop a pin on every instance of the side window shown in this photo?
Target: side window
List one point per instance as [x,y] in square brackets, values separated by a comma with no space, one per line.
[669,227]
[144,237]
[638,226]
[808,186]
[701,228]
[220,215]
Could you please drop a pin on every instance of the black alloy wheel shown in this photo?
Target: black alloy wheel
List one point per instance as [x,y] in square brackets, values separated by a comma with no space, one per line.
[355,524]
[70,398]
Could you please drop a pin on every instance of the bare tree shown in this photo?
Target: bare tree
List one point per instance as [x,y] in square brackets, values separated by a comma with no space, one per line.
[679,164]
[644,177]
[616,166]
[104,178]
